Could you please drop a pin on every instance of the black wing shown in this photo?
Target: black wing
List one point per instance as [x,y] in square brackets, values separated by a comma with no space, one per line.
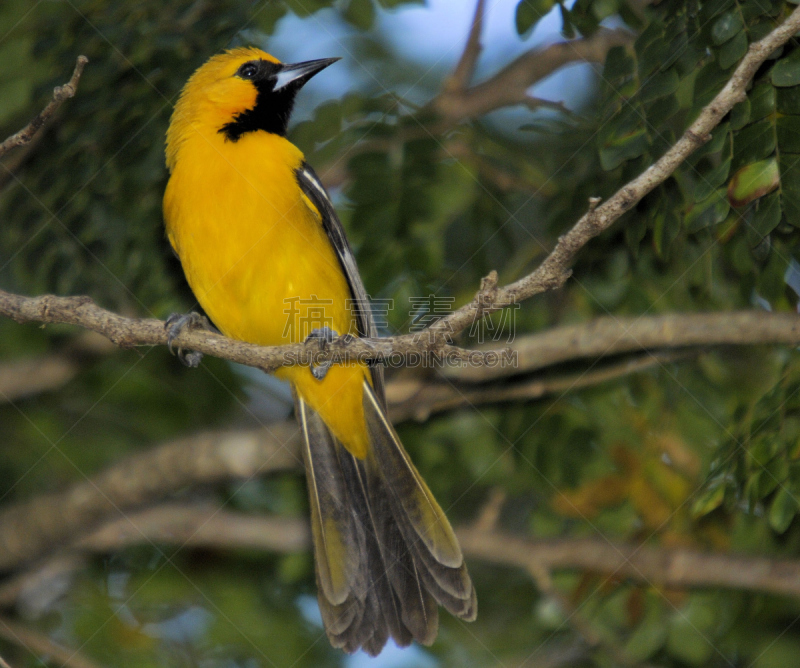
[313,189]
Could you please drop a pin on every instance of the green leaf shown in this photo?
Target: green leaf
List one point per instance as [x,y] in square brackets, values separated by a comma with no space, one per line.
[726,27]
[659,85]
[569,28]
[786,71]
[635,231]
[753,181]
[783,509]
[730,52]
[790,187]
[648,638]
[765,218]
[712,179]
[762,100]
[687,642]
[788,134]
[710,499]
[528,14]
[740,114]
[709,212]
[602,9]
[666,227]
[652,56]
[360,13]
[619,66]
[658,113]
[754,143]
[620,148]
[788,100]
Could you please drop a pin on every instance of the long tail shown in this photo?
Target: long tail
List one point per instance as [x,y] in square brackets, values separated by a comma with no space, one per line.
[385,553]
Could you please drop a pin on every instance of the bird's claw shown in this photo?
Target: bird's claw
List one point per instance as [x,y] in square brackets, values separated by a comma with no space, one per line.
[175,324]
[324,336]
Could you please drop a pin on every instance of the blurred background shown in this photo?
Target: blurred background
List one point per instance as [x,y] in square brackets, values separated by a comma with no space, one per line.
[694,449]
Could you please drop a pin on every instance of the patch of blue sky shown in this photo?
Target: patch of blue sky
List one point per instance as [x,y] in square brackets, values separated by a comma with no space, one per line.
[432,36]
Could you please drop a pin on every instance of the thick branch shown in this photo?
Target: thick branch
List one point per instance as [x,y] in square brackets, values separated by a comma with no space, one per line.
[60,93]
[612,336]
[206,526]
[32,529]
[674,568]
[31,376]
[604,336]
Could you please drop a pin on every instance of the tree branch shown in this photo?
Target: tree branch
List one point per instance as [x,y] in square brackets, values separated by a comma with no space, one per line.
[418,398]
[30,376]
[456,103]
[511,84]
[598,338]
[611,336]
[60,93]
[679,568]
[675,568]
[34,528]
[462,75]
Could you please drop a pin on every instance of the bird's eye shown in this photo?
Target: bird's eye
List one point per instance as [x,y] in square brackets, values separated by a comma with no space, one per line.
[248,70]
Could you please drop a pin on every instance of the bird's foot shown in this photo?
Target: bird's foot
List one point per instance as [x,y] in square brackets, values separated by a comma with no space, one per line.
[324,336]
[175,324]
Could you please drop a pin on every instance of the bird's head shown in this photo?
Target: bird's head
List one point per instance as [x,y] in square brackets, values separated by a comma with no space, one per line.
[242,90]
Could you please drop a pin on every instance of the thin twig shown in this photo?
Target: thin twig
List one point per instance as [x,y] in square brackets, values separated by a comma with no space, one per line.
[510,85]
[676,568]
[60,93]
[418,399]
[462,75]
[489,514]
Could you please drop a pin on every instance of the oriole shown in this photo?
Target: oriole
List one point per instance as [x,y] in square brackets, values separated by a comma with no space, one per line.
[258,238]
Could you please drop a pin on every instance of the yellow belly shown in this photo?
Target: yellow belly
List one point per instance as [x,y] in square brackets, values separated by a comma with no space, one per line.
[261,265]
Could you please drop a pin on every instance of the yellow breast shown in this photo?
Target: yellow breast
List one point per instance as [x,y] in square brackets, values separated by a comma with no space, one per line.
[259,261]
[254,252]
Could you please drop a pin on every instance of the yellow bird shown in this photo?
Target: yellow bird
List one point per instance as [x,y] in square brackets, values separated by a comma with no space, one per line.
[267,258]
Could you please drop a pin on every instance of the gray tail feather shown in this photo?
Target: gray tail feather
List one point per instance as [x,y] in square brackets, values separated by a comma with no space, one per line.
[376,578]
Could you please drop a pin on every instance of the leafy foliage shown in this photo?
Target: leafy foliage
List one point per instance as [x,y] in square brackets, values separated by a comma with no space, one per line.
[700,452]
[744,179]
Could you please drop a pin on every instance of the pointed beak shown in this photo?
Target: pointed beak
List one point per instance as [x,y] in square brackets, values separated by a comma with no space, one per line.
[297,74]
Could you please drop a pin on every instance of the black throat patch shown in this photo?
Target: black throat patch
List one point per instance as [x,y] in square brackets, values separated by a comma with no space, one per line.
[272,109]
